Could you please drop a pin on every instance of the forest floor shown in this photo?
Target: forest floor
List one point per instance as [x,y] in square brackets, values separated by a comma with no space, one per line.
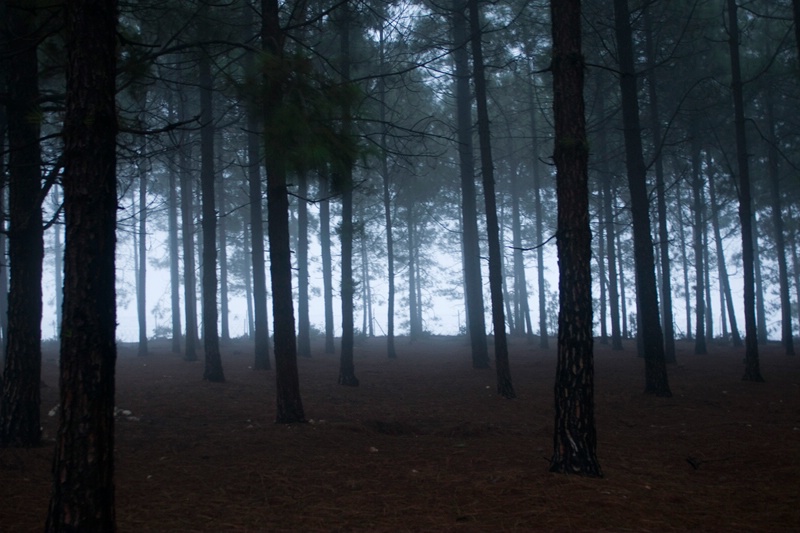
[425,444]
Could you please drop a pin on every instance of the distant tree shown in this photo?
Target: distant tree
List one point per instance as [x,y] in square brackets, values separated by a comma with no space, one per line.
[575,438]
[82,497]
[19,404]
[187,238]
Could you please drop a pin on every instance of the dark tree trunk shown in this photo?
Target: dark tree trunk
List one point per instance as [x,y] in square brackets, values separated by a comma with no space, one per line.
[663,233]
[777,228]
[414,323]
[327,269]
[539,223]
[752,370]
[575,437]
[58,266]
[289,406]
[523,315]
[648,321]
[174,260]
[82,497]
[623,293]
[187,234]
[761,313]
[707,285]
[603,281]
[213,362]
[3,258]
[609,233]
[504,386]
[141,271]
[303,321]
[260,315]
[20,401]
[698,207]
[473,286]
[391,351]
[222,226]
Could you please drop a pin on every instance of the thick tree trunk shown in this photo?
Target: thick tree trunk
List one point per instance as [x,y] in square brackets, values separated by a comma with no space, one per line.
[504,386]
[752,371]
[575,437]
[289,408]
[648,321]
[20,401]
[82,497]
[473,286]
[213,362]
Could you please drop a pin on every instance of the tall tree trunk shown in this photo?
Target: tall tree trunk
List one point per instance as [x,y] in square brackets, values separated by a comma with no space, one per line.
[539,215]
[260,331]
[187,239]
[289,404]
[3,238]
[58,264]
[20,401]
[603,281]
[141,271]
[609,226]
[648,321]
[327,268]
[523,316]
[82,497]
[391,351]
[413,313]
[707,285]
[685,264]
[777,227]
[623,293]
[174,260]
[663,233]
[761,313]
[222,226]
[504,386]
[698,207]
[213,362]
[303,321]
[473,286]
[752,370]
[575,437]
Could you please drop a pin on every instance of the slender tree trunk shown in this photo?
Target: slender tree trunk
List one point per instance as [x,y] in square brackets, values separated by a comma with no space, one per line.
[327,268]
[623,293]
[346,368]
[603,281]
[213,362]
[707,285]
[575,436]
[187,239]
[752,370]
[58,264]
[82,497]
[303,321]
[141,280]
[663,232]
[504,386]
[698,208]
[777,228]
[685,263]
[391,351]
[174,260]
[222,226]
[648,321]
[609,226]
[289,404]
[413,331]
[539,222]
[795,265]
[3,186]
[473,286]
[20,401]
[523,315]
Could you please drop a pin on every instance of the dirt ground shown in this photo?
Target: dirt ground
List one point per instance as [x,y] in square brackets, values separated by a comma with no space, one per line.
[425,444]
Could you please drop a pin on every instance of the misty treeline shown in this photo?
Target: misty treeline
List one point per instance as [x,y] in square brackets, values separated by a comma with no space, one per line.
[365,140]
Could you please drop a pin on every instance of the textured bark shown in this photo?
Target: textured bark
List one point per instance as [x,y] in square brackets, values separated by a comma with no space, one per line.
[213,362]
[19,409]
[82,496]
[504,385]
[752,371]
[648,321]
[473,286]
[575,437]
[289,407]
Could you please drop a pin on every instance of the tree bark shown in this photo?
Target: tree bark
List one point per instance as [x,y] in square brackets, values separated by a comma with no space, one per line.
[82,497]
[289,406]
[752,370]
[20,401]
[187,239]
[648,321]
[504,385]
[698,208]
[575,437]
[213,363]
[473,286]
